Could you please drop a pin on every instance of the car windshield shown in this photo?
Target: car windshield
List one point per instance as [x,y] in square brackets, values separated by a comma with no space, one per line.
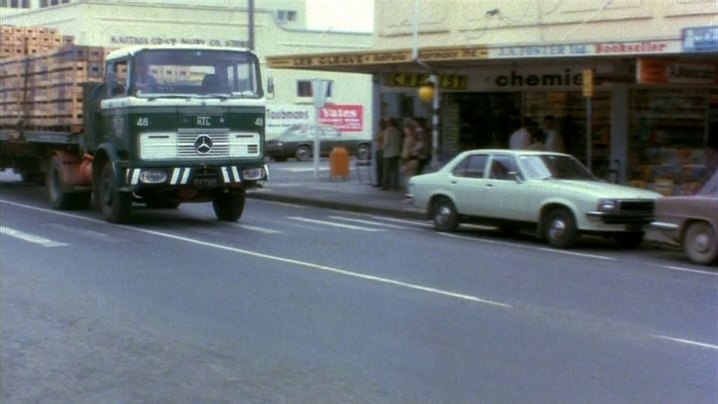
[549,166]
[200,73]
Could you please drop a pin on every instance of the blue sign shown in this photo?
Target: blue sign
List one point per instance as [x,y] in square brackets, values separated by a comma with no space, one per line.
[700,39]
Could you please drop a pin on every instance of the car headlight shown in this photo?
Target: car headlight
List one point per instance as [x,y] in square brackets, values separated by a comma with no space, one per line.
[607,205]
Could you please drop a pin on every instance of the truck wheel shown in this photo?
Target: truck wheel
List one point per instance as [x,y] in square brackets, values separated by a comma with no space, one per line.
[115,205]
[560,228]
[229,207]
[700,244]
[57,189]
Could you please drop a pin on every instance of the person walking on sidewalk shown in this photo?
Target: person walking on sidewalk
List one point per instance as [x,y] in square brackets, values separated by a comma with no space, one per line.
[379,152]
[392,153]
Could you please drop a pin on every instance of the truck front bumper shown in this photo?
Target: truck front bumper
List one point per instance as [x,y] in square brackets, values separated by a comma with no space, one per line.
[228,176]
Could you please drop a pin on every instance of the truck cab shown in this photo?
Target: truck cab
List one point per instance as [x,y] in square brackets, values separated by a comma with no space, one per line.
[176,124]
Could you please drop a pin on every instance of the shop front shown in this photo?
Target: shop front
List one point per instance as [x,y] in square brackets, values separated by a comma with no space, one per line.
[645,118]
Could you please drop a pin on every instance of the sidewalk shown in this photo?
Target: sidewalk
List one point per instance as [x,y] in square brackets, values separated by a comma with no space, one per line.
[296,183]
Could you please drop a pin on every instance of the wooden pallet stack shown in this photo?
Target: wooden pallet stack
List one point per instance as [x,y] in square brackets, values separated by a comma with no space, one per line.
[41,76]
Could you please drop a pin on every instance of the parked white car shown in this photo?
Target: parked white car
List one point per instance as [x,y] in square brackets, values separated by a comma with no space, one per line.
[551,193]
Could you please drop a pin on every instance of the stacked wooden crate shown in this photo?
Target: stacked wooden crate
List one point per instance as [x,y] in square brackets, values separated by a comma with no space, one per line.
[40,80]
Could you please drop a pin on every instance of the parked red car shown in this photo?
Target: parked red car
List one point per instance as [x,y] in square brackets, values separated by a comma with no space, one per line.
[692,221]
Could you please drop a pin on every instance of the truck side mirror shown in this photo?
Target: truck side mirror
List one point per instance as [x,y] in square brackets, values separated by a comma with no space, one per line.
[270,87]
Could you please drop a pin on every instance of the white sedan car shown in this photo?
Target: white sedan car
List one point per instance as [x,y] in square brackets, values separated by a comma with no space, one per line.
[551,193]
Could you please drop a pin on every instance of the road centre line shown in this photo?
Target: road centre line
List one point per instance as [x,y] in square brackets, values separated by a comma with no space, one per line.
[406,221]
[686,342]
[357,275]
[516,245]
[323,222]
[45,242]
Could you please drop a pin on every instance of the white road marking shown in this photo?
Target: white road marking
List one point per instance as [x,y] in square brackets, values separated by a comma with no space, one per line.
[259,229]
[526,247]
[291,205]
[333,224]
[45,242]
[301,169]
[405,221]
[696,271]
[687,342]
[304,264]
[370,222]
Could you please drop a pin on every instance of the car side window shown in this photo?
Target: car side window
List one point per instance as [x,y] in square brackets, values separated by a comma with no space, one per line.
[472,166]
[501,166]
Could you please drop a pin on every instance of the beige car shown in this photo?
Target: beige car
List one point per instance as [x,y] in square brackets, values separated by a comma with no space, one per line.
[692,221]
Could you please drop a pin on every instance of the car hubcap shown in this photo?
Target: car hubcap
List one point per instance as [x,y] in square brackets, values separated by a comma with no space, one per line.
[702,242]
[442,214]
[558,227]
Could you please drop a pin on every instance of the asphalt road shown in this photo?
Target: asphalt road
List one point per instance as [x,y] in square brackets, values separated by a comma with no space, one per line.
[297,304]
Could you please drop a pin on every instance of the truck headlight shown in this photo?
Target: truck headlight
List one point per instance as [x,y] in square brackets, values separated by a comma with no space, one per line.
[253,174]
[607,205]
[153,176]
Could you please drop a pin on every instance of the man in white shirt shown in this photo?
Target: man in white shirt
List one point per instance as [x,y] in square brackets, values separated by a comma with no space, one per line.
[521,138]
[554,142]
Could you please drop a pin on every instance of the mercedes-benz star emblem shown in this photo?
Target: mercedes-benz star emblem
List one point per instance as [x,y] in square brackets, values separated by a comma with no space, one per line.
[203,144]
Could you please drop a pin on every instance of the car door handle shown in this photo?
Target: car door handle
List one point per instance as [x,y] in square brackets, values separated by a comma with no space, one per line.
[453,182]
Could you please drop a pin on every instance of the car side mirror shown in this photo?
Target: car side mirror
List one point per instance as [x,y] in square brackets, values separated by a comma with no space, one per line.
[514,175]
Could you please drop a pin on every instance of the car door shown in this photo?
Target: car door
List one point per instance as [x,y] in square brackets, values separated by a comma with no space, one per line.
[505,197]
[331,138]
[468,182]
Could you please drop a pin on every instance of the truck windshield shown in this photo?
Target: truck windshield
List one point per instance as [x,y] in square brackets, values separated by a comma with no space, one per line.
[191,72]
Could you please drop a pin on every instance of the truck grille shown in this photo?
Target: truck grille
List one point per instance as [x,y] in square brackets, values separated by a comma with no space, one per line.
[199,144]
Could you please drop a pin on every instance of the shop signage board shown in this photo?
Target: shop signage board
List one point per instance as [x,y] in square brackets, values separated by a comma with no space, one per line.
[344,117]
[377,58]
[446,81]
[700,39]
[661,71]
[585,49]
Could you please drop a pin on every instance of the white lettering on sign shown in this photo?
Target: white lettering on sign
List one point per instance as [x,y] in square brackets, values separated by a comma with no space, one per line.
[204,121]
[539,51]
[143,40]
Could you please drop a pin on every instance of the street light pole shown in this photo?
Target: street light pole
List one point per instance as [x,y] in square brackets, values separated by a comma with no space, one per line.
[250,34]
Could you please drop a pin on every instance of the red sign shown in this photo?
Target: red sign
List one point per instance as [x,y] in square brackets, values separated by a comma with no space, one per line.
[346,118]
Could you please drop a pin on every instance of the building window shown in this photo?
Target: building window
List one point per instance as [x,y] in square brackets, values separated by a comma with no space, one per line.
[15,3]
[304,89]
[286,15]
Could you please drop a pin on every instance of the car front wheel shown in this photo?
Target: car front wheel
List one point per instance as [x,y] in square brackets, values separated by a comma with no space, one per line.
[445,216]
[560,228]
[303,153]
[700,244]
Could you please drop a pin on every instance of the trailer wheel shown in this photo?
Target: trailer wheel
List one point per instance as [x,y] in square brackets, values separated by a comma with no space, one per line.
[57,190]
[229,207]
[115,205]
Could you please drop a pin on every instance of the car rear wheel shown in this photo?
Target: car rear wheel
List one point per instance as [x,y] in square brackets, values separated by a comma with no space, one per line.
[303,153]
[628,239]
[445,216]
[700,244]
[363,152]
[560,228]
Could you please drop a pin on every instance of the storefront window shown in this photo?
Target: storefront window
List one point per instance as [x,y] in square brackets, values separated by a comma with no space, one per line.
[667,139]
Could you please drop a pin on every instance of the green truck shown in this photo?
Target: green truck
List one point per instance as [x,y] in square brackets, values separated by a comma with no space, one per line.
[160,127]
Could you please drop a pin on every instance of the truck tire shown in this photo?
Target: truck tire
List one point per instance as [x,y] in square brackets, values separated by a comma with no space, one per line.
[57,190]
[115,205]
[228,207]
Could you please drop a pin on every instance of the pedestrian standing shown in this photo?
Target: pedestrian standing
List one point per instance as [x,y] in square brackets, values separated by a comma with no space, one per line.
[379,152]
[409,159]
[392,152]
[554,139]
[422,147]
[521,138]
